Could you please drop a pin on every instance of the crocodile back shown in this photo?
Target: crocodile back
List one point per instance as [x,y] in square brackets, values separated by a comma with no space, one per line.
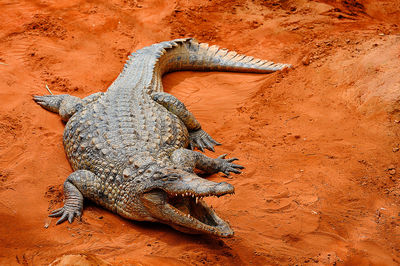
[112,132]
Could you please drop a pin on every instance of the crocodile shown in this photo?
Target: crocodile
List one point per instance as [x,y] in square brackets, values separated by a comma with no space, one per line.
[132,148]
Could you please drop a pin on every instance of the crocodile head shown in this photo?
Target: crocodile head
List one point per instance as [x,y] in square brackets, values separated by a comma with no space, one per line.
[176,200]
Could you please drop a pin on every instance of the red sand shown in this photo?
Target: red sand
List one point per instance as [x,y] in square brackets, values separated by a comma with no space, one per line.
[320,142]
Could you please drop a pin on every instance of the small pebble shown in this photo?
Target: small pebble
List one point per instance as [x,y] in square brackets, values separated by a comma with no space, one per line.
[306,60]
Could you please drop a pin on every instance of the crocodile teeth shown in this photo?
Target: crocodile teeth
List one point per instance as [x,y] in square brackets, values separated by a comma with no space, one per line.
[197,200]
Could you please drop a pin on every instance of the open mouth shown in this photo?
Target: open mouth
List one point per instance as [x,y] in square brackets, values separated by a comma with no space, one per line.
[187,212]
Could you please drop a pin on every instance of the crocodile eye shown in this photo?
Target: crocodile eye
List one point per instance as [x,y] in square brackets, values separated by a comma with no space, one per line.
[170,177]
[158,175]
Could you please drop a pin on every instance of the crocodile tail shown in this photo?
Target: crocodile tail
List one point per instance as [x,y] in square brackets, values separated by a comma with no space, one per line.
[192,55]
[146,66]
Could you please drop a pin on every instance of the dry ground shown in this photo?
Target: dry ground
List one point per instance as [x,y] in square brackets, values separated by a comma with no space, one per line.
[320,142]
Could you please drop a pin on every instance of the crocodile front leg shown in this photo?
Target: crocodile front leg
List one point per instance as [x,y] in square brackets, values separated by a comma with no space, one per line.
[78,183]
[198,137]
[188,160]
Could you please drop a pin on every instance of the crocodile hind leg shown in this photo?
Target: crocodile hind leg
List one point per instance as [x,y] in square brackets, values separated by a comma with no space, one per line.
[188,160]
[80,181]
[198,137]
[65,105]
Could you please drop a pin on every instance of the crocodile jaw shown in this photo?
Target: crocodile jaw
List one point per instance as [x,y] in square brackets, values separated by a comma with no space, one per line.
[187,212]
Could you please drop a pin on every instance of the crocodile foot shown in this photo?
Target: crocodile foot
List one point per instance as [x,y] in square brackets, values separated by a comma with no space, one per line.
[66,212]
[49,102]
[226,166]
[201,140]
[73,201]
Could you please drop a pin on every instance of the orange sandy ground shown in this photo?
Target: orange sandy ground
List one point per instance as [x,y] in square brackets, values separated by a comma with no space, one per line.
[320,142]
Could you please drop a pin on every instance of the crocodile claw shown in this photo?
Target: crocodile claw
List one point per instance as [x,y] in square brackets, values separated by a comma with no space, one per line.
[226,166]
[201,140]
[66,213]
